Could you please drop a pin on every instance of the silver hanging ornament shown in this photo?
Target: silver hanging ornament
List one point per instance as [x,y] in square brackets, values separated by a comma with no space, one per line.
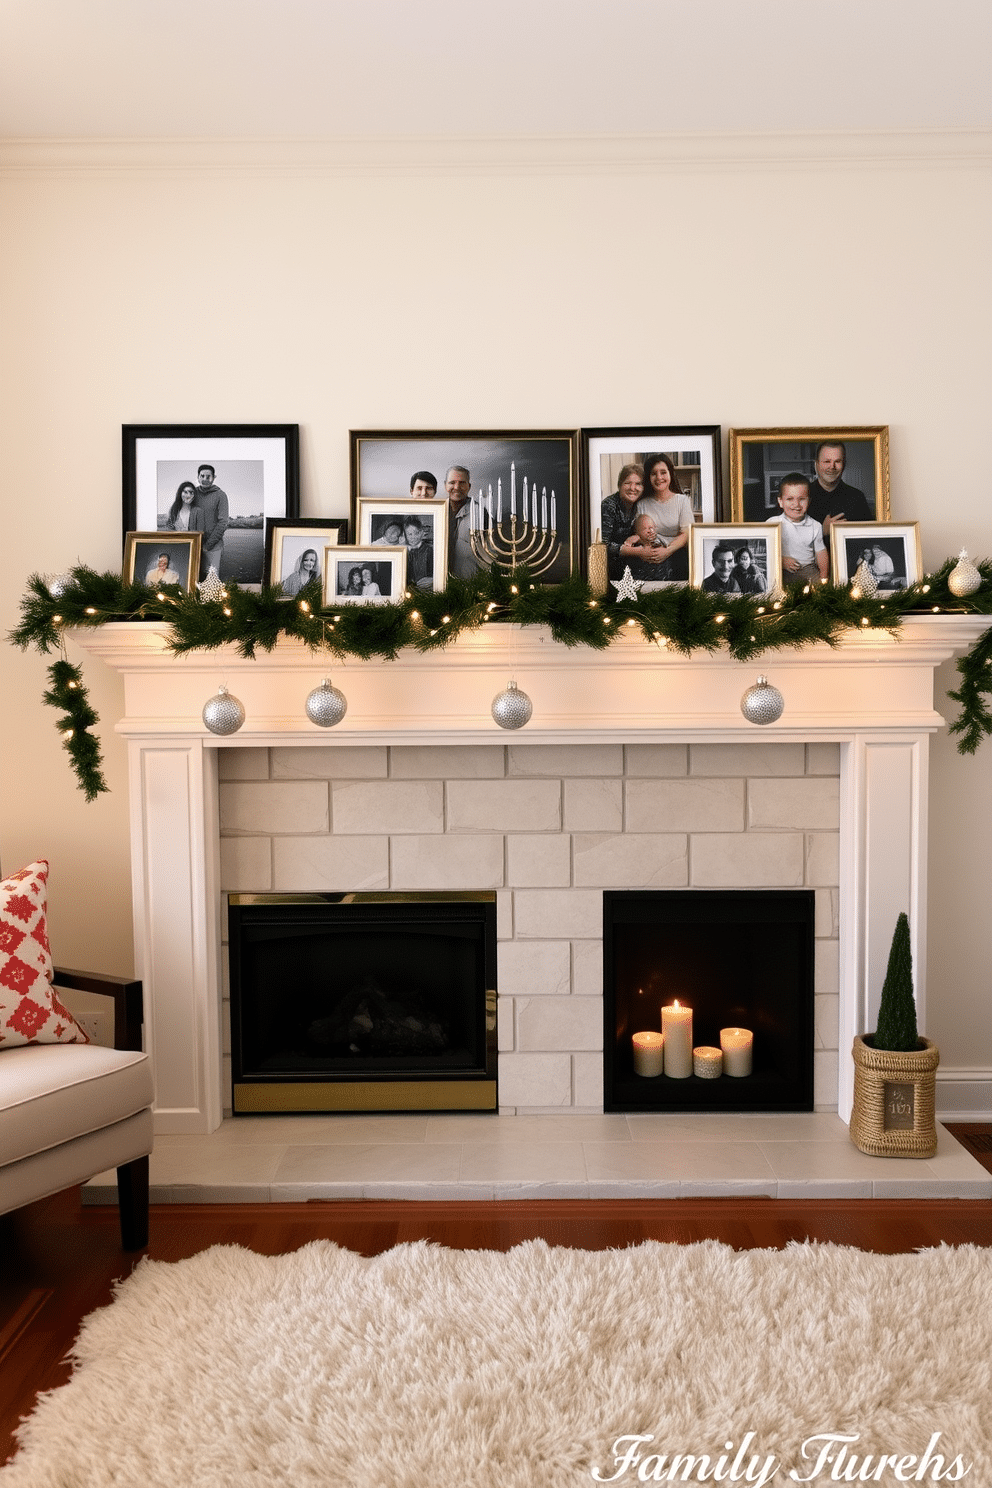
[762,703]
[512,708]
[962,580]
[223,713]
[864,584]
[326,705]
[210,589]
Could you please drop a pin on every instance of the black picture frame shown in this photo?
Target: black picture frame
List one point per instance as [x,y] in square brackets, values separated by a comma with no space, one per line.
[259,462]
[695,451]
[384,462]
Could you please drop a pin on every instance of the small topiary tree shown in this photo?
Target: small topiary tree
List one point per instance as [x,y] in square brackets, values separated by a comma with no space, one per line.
[897,1009]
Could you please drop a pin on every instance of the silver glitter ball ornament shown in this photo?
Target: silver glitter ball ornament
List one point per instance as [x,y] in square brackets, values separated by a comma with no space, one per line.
[962,580]
[326,706]
[57,584]
[223,713]
[512,708]
[762,703]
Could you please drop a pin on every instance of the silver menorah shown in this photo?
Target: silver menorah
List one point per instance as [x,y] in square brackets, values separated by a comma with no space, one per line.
[510,541]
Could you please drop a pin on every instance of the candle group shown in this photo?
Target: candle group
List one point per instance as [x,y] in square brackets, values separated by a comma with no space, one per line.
[671,1053]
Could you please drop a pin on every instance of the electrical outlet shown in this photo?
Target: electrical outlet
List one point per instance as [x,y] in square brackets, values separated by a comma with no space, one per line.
[95,1025]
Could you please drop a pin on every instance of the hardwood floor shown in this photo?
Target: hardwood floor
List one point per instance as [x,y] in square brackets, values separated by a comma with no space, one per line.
[61,1260]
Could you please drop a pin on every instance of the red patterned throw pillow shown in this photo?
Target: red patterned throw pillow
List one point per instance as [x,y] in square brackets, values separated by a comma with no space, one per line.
[30,1011]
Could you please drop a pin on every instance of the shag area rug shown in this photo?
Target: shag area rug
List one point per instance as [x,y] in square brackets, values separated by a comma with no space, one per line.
[426,1367]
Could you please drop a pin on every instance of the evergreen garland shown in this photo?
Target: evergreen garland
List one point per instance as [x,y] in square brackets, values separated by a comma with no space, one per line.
[896,1029]
[681,618]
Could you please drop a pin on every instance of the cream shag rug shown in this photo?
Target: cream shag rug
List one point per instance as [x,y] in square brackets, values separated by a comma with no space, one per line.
[427,1367]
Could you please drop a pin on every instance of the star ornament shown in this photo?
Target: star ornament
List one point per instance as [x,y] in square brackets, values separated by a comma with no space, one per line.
[628,587]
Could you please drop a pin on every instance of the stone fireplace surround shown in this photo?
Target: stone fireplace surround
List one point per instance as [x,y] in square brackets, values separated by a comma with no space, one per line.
[637,769]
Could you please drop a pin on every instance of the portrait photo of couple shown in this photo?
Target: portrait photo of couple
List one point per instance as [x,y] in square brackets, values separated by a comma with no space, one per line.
[365,575]
[221,481]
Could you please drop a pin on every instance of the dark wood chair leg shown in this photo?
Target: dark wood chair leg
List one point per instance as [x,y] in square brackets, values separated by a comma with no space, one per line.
[132,1199]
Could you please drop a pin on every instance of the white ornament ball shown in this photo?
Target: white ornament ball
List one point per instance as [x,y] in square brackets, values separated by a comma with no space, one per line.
[512,708]
[963,578]
[326,705]
[762,703]
[223,713]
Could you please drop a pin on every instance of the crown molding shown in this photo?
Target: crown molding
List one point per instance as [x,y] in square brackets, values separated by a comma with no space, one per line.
[498,155]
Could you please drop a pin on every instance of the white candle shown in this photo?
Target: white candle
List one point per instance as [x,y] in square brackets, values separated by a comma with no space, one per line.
[737,1045]
[523,511]
[533,503]
[490,503]
[513,488]
[649,1048]
[676,1026]
[707,1062]
[544,507]
[554,520]
[499,503]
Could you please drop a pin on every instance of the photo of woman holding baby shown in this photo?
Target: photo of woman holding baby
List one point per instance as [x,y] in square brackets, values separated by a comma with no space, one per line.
[663,545]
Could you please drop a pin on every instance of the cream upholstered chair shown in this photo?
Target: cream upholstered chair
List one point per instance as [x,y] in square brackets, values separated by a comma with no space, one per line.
[69,1111]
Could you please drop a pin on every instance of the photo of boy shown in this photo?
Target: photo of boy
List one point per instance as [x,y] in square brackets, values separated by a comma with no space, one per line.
[804,555]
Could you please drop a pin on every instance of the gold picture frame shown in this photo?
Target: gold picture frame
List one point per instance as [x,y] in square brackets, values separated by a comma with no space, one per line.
[759,458]
[144,551]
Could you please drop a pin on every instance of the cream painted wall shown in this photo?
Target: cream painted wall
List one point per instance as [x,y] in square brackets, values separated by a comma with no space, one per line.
[745,296]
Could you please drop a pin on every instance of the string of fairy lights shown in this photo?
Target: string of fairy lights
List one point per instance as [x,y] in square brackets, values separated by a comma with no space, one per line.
[680,620]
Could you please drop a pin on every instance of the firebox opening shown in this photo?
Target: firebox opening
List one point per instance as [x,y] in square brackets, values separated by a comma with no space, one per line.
[738,959]
[363,1002]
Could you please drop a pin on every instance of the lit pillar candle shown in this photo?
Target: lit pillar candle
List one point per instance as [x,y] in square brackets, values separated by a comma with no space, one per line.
[707,1062]
[649,1048]
[737,1045]
[676,1026]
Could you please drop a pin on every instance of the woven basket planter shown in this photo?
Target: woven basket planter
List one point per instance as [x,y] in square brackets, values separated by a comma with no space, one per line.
[894,1100]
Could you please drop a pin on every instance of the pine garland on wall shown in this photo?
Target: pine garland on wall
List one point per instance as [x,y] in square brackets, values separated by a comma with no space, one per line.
[682,619]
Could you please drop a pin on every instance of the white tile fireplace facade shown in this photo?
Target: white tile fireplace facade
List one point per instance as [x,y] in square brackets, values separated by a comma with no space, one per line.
[549,827]
[637,770]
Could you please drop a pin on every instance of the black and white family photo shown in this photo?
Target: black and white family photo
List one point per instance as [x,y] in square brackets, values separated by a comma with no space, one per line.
[511,498]
[365,575]
[735,559]
[889,553]
[420,525]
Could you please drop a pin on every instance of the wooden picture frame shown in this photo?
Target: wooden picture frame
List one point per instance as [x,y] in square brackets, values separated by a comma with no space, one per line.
[289,539]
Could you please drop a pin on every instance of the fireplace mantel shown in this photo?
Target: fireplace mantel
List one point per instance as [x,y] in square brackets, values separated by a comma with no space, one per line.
[873,695]
[633,692]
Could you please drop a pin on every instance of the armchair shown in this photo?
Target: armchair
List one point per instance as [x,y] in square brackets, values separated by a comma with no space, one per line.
[69,1111]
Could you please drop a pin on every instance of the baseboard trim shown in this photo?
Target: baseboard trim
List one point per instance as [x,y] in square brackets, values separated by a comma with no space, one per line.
[964,1093]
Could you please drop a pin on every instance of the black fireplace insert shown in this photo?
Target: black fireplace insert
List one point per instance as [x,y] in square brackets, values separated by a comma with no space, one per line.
[738,959]
[363,1002]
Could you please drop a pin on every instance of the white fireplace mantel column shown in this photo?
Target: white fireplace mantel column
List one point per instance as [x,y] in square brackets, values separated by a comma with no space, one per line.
[873,695]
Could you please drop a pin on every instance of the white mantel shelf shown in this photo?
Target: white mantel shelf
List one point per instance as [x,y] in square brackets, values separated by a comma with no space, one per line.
[633,692]
[873,694]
